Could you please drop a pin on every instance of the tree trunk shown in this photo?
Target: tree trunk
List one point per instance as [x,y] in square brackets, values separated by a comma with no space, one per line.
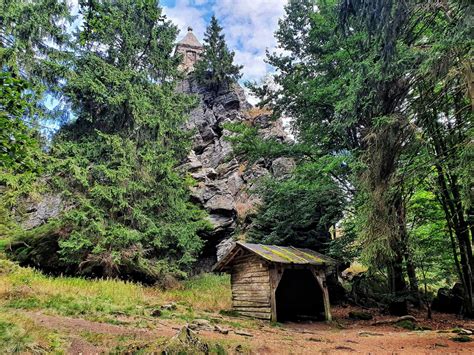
[453,207]
[398,285]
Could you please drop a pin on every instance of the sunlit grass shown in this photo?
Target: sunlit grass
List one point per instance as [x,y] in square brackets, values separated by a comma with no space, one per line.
[29,289]
[19,334]
[207,292]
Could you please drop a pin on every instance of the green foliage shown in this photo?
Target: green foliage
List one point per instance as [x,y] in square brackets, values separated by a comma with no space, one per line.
[128,211]
[134,216]
[28,30]
[428,230]
[15,340]
[299,210]
[31,34]
[20,152]
[462,338]
[216,69]
[357,77]
[406,324]
[19,148]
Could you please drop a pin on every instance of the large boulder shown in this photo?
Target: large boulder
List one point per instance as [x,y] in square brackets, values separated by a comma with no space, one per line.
[449,300]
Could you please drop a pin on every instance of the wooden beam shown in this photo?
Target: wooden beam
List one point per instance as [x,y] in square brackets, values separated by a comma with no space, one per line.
[276,274]
[320,277]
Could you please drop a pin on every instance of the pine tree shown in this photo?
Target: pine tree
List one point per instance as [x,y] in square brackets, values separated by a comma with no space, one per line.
[216,69]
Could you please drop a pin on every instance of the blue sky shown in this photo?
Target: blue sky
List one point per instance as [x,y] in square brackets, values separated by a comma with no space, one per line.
[249,26]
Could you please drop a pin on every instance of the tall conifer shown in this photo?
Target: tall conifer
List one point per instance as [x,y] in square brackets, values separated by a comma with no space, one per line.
[216,69]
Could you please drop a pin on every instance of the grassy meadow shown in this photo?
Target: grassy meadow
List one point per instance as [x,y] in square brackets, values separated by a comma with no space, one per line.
[25,292]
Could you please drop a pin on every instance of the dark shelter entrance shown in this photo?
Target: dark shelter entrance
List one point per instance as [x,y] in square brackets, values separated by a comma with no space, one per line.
[299,296]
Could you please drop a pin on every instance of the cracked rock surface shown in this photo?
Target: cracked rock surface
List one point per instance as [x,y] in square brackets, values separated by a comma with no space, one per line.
[223,179]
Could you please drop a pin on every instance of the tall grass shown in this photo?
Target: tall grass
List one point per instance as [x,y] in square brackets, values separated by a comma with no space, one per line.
[19,334]
[26,288]
[206,292]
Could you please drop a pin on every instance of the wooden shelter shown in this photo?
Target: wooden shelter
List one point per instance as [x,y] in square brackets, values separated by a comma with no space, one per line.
[277,283]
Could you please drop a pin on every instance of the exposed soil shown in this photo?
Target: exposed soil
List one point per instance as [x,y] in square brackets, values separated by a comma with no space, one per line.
[340,336]
[80,346]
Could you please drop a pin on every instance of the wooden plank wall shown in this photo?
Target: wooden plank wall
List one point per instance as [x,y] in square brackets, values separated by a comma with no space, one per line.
[251,291]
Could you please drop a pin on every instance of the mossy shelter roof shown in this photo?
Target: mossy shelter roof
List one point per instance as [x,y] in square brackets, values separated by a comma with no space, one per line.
[276,254]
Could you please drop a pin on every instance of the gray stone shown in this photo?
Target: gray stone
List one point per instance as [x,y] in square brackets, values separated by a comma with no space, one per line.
[281,167]
[221,330]
[229,101]
[221,222]
[169,307]
[205,174]
[235,183]
[39,212]
[193,162]
[200,324]
[223,247]
[224,180]
[223,202]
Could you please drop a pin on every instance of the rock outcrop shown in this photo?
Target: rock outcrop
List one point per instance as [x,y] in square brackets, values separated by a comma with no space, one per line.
[223,180]
[38,212]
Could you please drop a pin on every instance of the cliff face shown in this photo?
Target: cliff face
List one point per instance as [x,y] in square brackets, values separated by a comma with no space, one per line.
[224,180]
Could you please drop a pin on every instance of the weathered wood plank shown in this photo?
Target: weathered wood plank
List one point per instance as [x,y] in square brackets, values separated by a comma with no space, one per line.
[238,303]
[257,282]
[244,273]
[245,258]
[250,274]
[275,277]
[250,280]
[256,315]
[251,292]
[249,277]
[252,309]
[251,287]
[263,276]
[254,294]
[236,291]
[251,295]
[249,268]
[251,298]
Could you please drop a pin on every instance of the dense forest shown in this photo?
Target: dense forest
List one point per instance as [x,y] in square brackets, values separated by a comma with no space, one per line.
[380,99]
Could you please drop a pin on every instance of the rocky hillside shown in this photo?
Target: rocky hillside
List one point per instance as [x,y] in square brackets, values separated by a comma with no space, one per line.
[225,180]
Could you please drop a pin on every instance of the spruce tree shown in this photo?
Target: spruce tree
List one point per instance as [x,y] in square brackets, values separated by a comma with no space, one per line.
[216,68]
[129,211]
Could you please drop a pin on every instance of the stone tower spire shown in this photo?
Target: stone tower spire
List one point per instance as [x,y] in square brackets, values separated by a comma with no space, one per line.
[191,50]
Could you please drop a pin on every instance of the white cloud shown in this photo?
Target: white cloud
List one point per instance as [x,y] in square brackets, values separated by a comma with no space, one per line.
[187,13]
[249,26]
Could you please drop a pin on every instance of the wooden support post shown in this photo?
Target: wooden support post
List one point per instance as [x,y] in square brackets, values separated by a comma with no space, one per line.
[320,276]
[275,276]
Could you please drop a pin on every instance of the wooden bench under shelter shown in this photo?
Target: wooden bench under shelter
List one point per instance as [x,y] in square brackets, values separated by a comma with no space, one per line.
[277,283]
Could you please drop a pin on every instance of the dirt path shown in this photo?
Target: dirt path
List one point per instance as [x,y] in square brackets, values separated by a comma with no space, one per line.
[291,338]
[315,338]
